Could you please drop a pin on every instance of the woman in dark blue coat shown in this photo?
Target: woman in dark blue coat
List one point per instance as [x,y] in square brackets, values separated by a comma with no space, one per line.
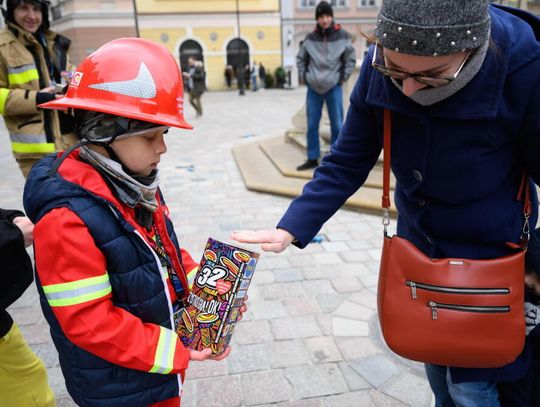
[462,80]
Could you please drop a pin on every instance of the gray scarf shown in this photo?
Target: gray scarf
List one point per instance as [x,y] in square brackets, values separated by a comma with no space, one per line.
[131,191]
[430,96]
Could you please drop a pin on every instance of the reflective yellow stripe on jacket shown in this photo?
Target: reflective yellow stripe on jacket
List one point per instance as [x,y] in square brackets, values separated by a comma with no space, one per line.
[77,292]
[4,93]
[22,74]
[31,143]
[164,357]
[191,276]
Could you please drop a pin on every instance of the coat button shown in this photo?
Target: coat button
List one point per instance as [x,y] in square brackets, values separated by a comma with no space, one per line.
[422,203]
[417,175]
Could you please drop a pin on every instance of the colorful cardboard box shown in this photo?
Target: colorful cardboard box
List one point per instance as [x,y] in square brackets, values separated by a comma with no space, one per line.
[219,289]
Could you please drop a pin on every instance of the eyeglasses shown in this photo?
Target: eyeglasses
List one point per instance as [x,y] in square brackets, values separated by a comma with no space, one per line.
[432,81]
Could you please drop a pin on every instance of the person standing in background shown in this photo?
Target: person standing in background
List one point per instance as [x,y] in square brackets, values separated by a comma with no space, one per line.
[326,59]
[23,378]
[34,65]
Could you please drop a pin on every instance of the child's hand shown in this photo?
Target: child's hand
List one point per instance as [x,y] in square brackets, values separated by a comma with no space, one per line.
[207,354]
[275,240]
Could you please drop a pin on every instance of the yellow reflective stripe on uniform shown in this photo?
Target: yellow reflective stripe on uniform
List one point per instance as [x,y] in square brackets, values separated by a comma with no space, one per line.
[164,357]
[4,93]
[77,292]
[19,76]
[191,276]
[33,147]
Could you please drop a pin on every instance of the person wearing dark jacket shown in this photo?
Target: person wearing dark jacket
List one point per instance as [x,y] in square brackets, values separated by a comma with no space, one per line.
[326,59]
[23,378]
[196,84]
[34,65]
[463,89]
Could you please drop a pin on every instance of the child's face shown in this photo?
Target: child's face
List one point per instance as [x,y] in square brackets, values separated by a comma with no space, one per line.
[142,153]
[532,281]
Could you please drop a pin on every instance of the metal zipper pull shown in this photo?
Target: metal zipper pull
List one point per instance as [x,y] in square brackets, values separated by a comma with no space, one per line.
[413,289]
[433,309]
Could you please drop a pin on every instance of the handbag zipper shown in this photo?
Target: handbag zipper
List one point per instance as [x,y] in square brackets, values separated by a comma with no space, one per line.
[484,309]
[453,290]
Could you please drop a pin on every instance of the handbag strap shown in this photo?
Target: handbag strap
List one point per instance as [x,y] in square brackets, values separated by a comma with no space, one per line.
[524,192]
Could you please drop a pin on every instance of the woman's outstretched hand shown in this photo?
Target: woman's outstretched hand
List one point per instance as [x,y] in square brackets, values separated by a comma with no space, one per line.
[275,240]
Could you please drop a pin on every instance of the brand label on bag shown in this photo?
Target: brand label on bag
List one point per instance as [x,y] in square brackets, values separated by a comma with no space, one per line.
[456,263]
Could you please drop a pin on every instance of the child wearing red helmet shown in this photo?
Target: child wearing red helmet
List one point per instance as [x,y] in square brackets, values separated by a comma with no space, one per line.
[109,269]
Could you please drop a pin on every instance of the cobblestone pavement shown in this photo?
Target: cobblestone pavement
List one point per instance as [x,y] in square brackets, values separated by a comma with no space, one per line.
[310,337]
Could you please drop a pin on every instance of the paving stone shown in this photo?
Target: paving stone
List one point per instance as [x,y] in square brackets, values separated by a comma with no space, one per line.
[315,287]
[301,306]
[355,255]
[261,309]
[365,298]
[57,382]
[189,395]
[248,358]
[251,332]
[207,368]
[382,400]
[67,402]
[287,353]
[219,392]
[265,387]
[323,349]
[263,277]
[370,280]
[349,327]
[271,263]
[352,310]
[47,353]
[325,323]
[333,247]
[36,334]
[327,258]
[301,261]
[337,236]
[376,370]
[409,389]
[298,403]
[281,290]
[294,327]
[352,348]
[288,274]
[329,302]
[318,380]
[352,378]
[354,399]
[27,315]
[346,284]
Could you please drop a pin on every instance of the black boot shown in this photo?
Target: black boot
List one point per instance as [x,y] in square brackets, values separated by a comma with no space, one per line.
[309,164]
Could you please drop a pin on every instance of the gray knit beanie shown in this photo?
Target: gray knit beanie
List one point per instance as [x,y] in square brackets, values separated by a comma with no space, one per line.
[433,27]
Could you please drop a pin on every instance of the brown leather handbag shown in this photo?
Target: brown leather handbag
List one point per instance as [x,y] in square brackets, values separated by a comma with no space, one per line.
[450,312]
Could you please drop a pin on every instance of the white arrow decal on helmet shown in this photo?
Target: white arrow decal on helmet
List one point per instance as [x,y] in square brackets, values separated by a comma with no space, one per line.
[143,86]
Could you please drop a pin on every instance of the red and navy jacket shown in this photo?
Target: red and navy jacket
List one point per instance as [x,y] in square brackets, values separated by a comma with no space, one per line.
[103,290]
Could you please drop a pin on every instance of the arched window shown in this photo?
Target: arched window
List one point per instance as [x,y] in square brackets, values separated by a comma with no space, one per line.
[189,49]
[237,53]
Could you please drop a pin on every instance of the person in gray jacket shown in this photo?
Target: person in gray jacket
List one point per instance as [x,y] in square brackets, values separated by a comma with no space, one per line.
[326,59]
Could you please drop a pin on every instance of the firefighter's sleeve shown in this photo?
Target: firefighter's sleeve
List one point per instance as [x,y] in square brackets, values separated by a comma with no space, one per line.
[73,274]
[17,101]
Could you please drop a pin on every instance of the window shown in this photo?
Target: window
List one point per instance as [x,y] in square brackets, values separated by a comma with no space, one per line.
[308,3]
[313,3]
[366,3]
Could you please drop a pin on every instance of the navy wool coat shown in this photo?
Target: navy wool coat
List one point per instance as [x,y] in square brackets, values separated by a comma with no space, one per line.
[457,163]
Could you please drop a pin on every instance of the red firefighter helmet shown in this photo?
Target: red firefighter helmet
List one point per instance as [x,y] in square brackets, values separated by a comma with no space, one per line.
[130,77]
